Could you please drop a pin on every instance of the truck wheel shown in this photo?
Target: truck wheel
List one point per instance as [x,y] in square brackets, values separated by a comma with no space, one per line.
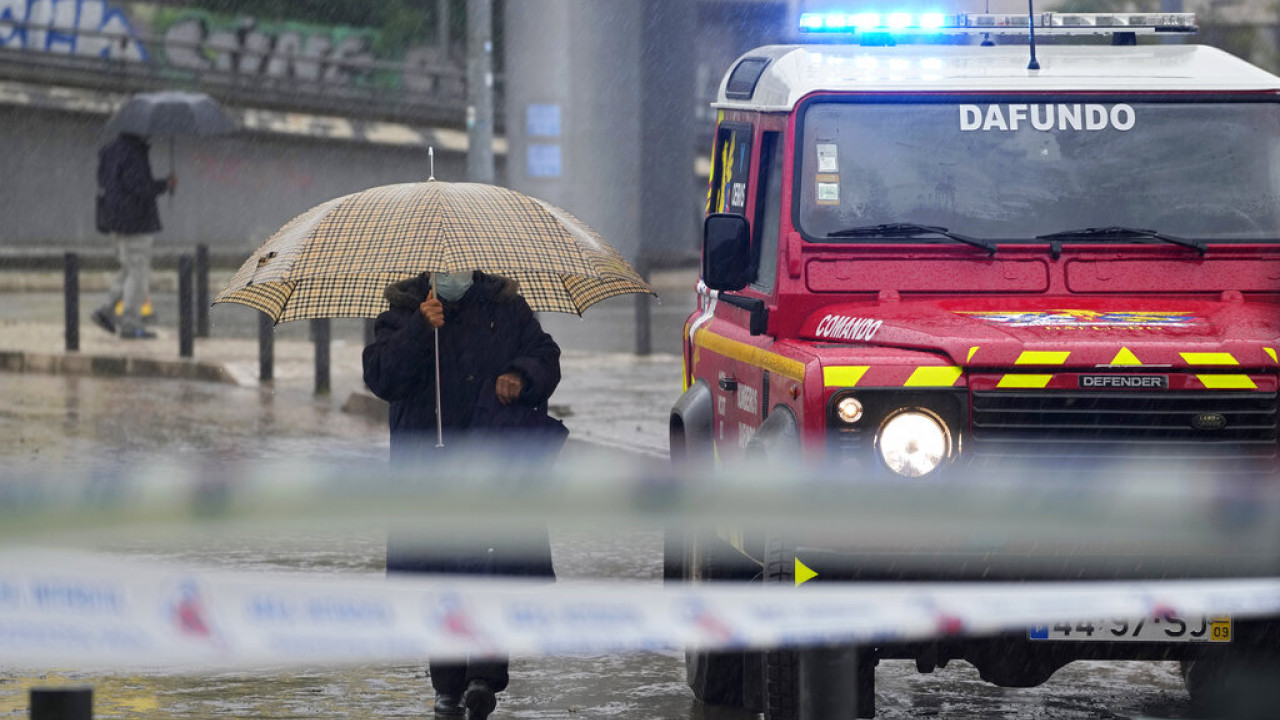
[714,677]
[1237,685]
[782,666]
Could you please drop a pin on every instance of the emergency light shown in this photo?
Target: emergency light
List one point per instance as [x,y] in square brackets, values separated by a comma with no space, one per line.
[1048,23]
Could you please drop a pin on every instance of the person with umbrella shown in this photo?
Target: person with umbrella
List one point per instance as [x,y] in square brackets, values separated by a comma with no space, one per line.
[494,359]
[127,192]
[127,212]
[364,255]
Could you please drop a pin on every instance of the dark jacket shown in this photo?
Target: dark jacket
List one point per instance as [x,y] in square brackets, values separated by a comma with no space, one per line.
[127,192]
[489,332]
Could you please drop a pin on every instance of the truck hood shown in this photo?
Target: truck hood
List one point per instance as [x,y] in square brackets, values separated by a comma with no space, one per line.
[1062,331]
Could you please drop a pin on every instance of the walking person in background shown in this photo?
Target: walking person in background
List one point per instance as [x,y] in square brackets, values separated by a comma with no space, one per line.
[497,370]
[127,212]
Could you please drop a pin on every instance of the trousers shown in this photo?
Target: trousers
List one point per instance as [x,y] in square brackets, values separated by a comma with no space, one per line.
[132,283]
[452,677]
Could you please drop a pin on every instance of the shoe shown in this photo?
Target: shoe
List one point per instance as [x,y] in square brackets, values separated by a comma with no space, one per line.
[448,705]
[479,700]
[100,319]
[137,334]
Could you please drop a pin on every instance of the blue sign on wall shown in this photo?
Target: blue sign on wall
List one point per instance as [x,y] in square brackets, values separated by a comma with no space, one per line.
[542,120]
[543,160]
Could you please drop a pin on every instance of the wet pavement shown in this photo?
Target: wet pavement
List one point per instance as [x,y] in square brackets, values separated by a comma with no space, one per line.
[610,398]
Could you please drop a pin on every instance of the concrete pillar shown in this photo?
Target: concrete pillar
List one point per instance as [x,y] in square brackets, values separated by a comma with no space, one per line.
[670,221]
[596,91]
[479,91]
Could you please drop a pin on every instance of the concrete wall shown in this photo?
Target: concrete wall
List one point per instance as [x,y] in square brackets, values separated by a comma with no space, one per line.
[233,191]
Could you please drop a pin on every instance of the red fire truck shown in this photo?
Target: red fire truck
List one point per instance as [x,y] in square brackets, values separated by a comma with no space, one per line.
[980,254]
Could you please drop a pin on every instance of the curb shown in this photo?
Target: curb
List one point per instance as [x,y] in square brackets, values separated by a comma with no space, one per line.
[19,361]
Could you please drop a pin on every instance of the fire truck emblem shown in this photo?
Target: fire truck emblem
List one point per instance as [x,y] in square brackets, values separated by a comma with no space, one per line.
[1091,319]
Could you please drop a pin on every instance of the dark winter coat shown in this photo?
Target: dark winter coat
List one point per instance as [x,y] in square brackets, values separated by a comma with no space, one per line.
[127,192]
[490,331]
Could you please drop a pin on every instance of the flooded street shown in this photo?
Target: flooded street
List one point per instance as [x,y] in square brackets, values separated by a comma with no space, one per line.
[84,420]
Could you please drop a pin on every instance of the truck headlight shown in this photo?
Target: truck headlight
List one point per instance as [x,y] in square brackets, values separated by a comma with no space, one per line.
[913,443]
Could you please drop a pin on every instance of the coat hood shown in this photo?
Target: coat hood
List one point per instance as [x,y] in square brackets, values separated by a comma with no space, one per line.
[410,293]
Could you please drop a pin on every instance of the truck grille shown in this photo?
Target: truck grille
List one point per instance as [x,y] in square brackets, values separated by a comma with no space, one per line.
[1159,427]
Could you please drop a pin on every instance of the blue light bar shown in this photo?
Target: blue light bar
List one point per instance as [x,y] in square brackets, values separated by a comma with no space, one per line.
[932,21]
[874,22]
[996,23]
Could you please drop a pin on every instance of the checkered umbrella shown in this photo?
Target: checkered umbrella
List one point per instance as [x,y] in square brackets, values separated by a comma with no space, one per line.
[336,259]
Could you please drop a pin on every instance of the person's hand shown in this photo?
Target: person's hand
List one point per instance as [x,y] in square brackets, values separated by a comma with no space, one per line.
[508,386]
[173,182]
[432,310]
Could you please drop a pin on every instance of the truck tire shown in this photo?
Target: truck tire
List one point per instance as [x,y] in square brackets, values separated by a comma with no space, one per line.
[1234,685]
[716,678]
[782,666]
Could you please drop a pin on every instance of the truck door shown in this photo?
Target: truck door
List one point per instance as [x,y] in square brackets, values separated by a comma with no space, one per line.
[748,184]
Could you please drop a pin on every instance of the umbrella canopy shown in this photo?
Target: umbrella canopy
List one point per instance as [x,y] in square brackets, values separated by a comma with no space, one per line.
[336,259]
[170,113]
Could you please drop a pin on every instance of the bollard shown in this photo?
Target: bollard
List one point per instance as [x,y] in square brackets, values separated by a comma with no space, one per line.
[74,702]
[644,315]
[202,290]
[186,341]
[71,299]
[266,348]
[830,685]
[320,335]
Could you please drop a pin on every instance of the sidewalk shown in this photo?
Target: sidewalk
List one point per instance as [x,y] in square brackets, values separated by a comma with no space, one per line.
[610,399]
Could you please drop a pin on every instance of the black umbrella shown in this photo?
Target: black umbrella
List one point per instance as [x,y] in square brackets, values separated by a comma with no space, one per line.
[170,113]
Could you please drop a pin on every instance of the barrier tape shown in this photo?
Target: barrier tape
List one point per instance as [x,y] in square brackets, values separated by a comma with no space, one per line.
[62,609]
[1195,523]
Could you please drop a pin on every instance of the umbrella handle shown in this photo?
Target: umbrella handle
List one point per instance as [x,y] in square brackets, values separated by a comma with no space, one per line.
[439,414]
[171,170]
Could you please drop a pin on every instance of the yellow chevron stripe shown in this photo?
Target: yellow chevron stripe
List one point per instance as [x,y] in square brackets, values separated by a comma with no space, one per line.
[1024,382]
[1227,382]
[843,375]
[1042,357]
[750,355]
[934,377]
[972,351]
[1214,358]
[1272,353]
[1125,357]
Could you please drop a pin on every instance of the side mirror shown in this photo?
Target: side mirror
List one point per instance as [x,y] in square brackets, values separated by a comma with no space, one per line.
[726,252]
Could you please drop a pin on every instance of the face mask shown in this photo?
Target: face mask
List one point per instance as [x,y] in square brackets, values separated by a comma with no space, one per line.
[452,286]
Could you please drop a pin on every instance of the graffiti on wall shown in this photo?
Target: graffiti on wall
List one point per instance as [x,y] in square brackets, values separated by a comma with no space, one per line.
[91,28]
[333,55]
[197,40]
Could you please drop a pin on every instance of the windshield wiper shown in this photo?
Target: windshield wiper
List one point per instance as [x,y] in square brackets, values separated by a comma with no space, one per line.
[912,230]
[1123,233]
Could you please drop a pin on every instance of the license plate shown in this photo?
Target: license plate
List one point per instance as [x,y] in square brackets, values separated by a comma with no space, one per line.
[1166,629]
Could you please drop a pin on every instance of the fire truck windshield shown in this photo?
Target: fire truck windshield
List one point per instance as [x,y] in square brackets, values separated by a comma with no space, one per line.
[1014,169]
